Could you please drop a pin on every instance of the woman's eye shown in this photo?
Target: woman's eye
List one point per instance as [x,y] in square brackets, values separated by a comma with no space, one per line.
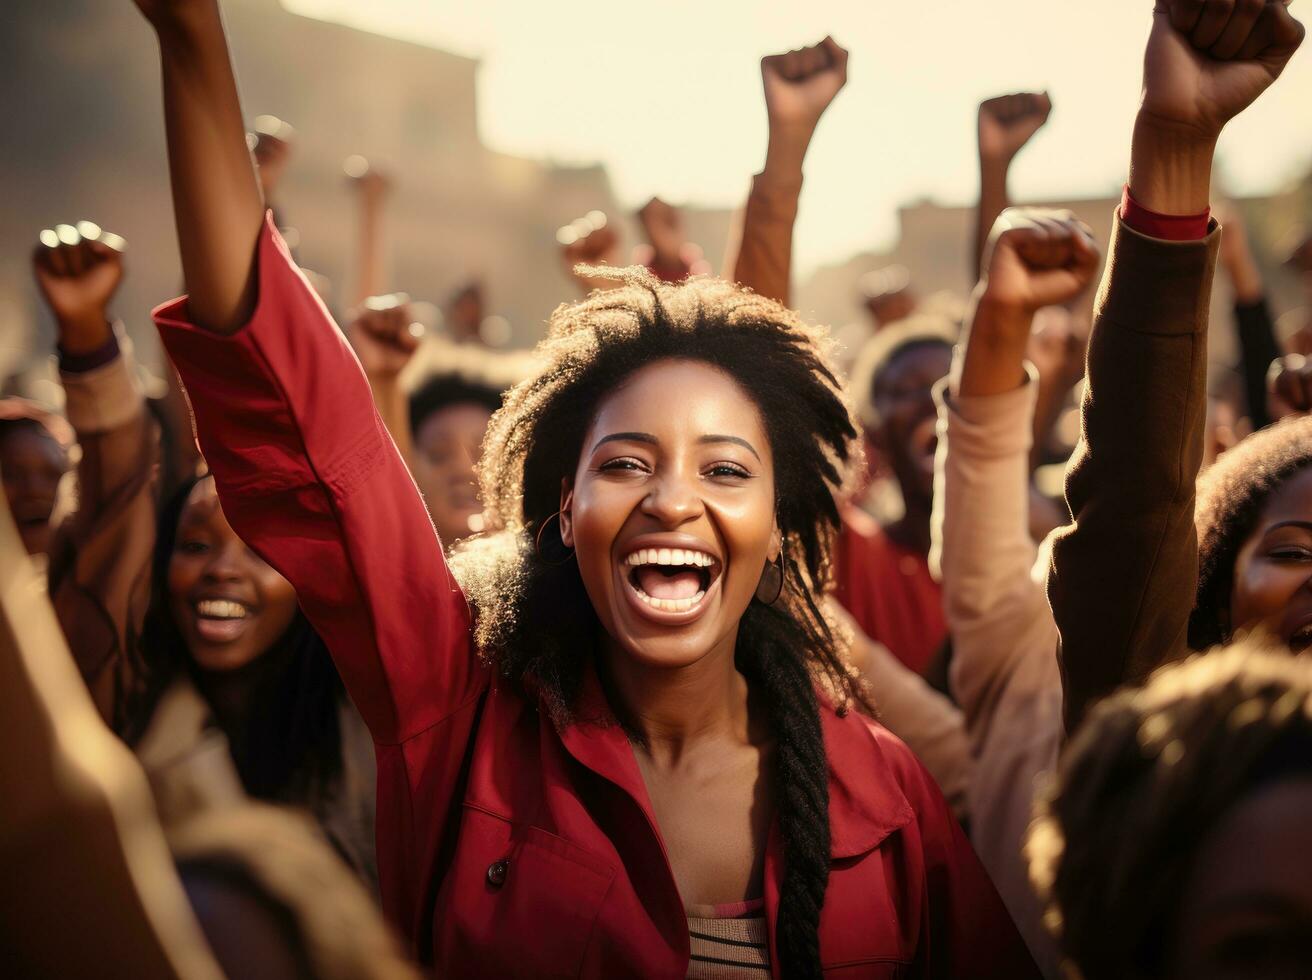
[729,470]
[192,547]
[624,463]
[1290,553]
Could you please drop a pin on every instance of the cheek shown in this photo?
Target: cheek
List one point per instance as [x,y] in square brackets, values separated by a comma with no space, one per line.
[278,596]
[1262,589]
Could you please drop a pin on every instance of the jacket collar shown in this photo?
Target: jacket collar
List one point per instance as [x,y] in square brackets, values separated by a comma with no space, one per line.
[866,803]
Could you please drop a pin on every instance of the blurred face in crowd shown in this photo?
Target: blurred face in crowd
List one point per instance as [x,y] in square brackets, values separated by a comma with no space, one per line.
[671,511]
[1273,571]
[229,605]
[907,436]
[32,463]
[448,444]
[1246,910]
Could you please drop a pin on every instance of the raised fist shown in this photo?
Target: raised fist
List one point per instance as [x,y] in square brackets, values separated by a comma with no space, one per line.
[1208,60]
[1289,386]
[1038,258]
[78,269]
[1008,122]
[799,85]
[588,241]
[271,146]
[385,335]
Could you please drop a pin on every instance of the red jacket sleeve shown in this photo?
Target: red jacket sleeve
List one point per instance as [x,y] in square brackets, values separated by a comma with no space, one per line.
[309,477]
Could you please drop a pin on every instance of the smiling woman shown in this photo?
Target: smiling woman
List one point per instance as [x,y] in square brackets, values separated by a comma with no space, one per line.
[636,756]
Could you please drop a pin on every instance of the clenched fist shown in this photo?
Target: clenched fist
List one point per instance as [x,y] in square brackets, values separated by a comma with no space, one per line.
[385,335]
[1008,122]
[588,241]
[799,85]
[1208,60]
[78,269]
[1289,386]
[1038,258]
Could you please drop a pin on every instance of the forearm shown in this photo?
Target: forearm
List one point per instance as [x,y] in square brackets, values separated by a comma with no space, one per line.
[993,201]
[994,343]
[394,409]
[369,277]
[1123,574]
[765,252]
[216,196]
[1170,167]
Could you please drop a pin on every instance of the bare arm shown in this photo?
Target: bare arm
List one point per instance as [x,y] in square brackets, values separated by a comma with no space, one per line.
[799,86]
[371,188]
[385,337]
[217,200]
[1006,124]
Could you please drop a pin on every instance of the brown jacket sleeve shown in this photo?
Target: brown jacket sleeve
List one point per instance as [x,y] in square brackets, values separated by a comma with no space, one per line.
[1123,574]
[100,565]
[765,253]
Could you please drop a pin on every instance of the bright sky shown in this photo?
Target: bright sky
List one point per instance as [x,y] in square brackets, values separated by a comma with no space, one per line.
[668,96]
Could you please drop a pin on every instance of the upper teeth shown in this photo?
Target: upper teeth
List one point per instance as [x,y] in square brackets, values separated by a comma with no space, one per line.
[669,556]
[221,609]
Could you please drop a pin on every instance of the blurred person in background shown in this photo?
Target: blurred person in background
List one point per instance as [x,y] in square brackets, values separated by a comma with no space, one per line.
[34,457]
[887,296]
[1174,842]
[181,633]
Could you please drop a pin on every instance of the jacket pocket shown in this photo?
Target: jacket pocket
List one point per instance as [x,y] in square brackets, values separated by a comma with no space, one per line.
[518,902]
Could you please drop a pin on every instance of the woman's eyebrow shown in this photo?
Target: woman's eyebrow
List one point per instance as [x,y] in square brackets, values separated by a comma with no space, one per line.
[646,437]
[1304,525]
[733,439]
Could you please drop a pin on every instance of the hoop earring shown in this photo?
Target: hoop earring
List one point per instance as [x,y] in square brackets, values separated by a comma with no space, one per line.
[537,544]
[777,570]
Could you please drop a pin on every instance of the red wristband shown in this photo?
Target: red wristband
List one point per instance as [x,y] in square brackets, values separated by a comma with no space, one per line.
[1168,227]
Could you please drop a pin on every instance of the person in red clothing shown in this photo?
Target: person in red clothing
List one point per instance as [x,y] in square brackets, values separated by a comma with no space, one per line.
[882,573]
[646,721]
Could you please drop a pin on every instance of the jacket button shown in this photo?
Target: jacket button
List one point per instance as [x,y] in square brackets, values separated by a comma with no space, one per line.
[496,872]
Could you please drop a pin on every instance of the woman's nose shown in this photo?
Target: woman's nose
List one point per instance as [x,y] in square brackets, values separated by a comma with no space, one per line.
[673,499]
[225,563]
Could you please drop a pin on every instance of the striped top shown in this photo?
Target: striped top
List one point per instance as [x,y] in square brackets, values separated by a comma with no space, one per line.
[728,942]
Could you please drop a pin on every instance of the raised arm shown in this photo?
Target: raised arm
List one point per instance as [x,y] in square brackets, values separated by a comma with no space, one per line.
[217,201]
[1001,626]
[1124,573]
[385,336]
[100,562]
[799,86]
[371,187]
[1254,326]
[1006,124]
[303,463]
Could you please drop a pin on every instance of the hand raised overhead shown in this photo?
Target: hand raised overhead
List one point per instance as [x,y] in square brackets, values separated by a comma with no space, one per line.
[78,269]
[1008,122]
[384,335]
[800,84]
[1289,386]
[1038,258]
[1208,60]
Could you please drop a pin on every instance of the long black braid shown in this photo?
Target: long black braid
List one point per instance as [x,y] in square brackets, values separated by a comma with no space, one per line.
[531,613]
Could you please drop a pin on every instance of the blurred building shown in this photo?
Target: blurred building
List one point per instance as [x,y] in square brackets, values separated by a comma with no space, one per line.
[84,138]
[935,243]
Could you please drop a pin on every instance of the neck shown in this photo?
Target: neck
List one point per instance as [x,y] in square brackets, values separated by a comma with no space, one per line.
[672,710]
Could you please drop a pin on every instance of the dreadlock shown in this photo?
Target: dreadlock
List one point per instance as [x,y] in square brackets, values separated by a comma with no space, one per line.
[1231,497]
[1143,781]
[529,611]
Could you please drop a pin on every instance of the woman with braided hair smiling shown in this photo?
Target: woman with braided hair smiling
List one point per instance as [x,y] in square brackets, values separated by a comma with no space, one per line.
[636,750]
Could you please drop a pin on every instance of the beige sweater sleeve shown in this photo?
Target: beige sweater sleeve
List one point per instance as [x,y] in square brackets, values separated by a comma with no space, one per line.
[1004,669]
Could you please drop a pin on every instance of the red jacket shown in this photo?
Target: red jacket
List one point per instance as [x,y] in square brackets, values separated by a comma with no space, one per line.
[507,848]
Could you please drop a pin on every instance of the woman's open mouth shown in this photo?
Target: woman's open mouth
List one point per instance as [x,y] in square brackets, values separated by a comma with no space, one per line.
[221,620]
[670,585]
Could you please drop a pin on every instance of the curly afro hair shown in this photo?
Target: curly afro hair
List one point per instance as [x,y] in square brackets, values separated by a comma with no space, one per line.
[1141,784]
[1231,497]
[534,619]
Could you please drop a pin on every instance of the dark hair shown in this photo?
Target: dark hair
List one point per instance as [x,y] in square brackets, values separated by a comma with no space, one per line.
[530,612]
[1143,781]
[446,389]
[885,347]
[292,747]
[1231,497]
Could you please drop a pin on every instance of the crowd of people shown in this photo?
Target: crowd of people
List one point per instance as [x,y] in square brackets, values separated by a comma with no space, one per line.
[690,643]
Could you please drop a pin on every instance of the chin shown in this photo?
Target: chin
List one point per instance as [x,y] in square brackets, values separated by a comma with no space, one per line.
[222,659]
